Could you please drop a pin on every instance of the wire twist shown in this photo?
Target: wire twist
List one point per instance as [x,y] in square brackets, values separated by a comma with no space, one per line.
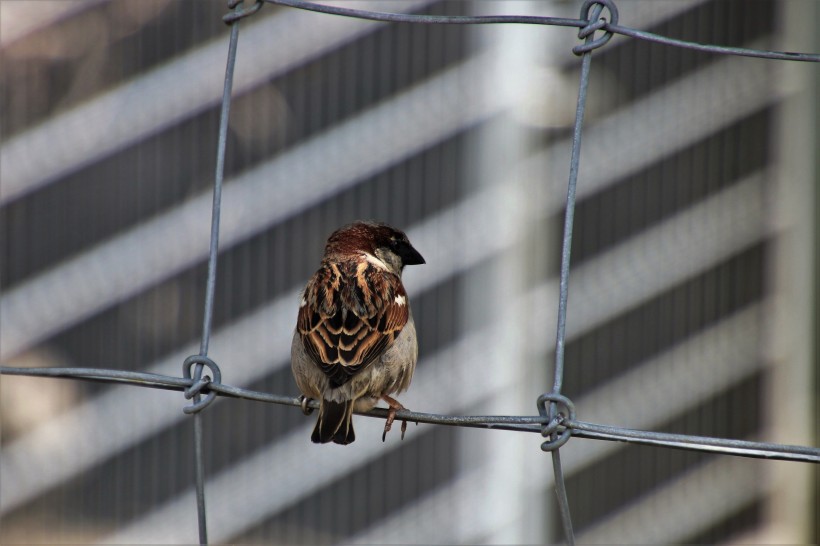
[200,382]
[238,13]
[560,409]
[591,12]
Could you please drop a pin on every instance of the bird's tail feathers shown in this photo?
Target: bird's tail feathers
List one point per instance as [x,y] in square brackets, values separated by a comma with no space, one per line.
[335,423]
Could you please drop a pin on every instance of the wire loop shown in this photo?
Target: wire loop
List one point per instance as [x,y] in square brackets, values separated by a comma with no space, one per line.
[199,382]
[557,440]
[240,13]
[551,426]
[554,422]
[557,417]
[556,400]
[197,387]
[591,12]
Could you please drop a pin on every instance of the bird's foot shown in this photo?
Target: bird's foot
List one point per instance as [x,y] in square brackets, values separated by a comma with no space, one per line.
[391,416]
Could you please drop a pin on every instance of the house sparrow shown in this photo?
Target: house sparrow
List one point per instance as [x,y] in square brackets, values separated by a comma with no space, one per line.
[355,341]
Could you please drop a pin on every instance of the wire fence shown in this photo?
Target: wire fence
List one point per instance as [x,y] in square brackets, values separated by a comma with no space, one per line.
[556,419]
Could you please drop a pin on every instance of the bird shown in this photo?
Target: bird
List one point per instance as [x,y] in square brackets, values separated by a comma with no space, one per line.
[355,339]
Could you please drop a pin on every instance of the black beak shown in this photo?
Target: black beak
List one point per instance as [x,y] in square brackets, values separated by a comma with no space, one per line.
[409,255]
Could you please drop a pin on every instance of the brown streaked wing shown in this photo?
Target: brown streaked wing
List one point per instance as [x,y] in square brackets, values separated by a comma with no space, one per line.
[345,342]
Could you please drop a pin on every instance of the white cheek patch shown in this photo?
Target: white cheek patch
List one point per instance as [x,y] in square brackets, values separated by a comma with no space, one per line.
[375,261]
[400,300]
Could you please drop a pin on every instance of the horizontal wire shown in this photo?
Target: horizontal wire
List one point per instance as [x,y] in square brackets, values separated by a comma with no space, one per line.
[432,19]
[709,48]
[515,423]
[552,21]
[741,448]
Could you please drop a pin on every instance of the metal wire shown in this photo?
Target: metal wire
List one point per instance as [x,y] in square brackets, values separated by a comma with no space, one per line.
[556,419]
[516,423]
[201,361]
[593,9]
[431,19]
[552,21]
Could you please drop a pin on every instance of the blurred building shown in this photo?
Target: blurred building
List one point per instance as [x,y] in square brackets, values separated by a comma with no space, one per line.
[692,295]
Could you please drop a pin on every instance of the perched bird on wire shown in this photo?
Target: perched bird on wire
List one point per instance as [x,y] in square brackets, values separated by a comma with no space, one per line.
[355,340]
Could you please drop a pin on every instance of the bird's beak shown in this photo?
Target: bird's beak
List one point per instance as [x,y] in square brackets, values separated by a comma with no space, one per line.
[410,256]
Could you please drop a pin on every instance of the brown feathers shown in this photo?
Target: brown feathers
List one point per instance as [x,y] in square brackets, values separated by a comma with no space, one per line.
[352,312]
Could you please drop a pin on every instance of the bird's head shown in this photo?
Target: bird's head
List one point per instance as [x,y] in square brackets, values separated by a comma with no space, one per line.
[383,245]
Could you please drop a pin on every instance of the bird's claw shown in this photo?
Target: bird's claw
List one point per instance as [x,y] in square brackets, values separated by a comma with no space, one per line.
[388,424]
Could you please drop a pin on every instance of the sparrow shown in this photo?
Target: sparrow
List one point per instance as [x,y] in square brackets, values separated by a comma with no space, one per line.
[355,340]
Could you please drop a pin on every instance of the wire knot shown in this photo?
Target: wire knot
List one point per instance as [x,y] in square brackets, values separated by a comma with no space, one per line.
[556,419]
[591,12]
[238,12]
[200,382]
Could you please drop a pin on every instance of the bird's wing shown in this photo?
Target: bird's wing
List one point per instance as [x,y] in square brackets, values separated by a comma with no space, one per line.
[349,315]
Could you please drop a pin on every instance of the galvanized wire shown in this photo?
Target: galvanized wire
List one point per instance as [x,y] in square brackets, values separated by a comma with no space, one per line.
[612,27]
[515,423]
[556,419]
[210,287]
[593,9]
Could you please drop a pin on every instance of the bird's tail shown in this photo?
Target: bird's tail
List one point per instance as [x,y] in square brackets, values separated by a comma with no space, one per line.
[335,423]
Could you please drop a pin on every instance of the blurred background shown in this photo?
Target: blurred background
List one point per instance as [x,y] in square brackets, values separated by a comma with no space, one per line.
[692,296]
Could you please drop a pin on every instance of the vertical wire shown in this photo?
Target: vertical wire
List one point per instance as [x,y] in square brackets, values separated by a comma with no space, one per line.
[217,198]
[199,470]
[563,500]
[566,245]
[207,320]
